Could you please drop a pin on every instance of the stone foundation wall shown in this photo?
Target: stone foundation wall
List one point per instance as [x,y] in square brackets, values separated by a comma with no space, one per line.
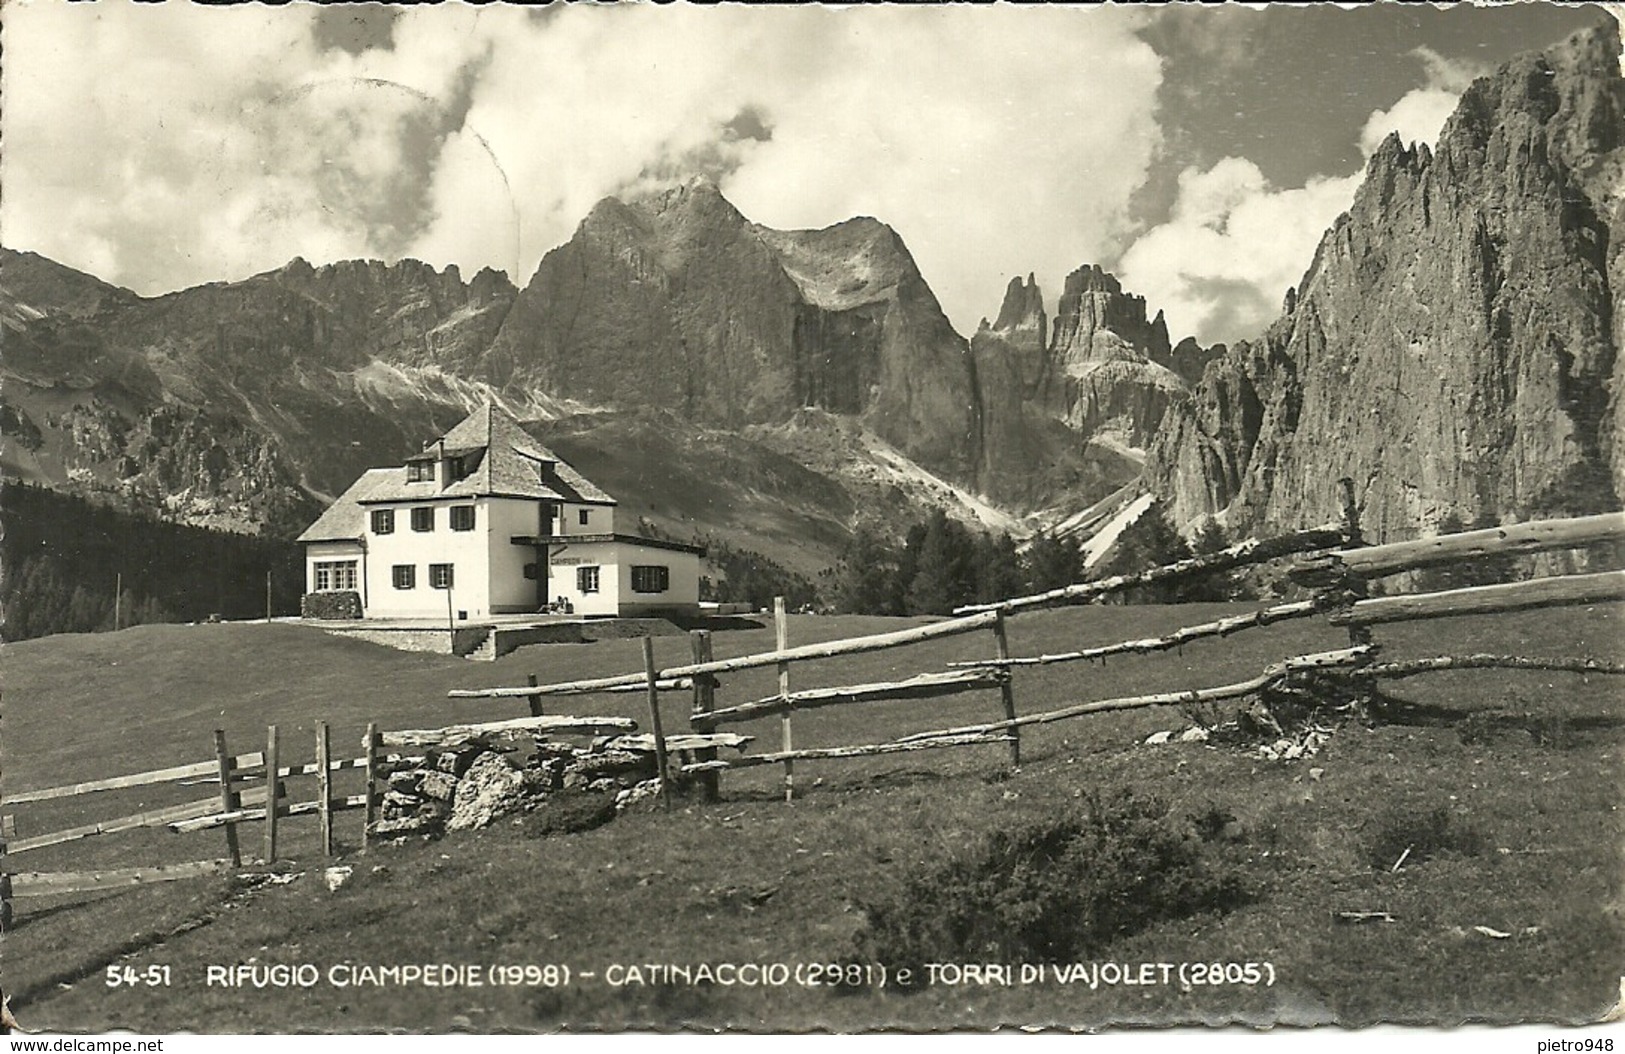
[437,641]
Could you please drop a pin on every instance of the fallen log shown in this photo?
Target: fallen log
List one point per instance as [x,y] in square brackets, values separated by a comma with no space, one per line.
[1253,551]
[1378,561]
[825,753]
[924,686]
[1347,657]
[46,884]
[555,724]
[802,653]
[1218,628]
[1412,667]
[1558,591]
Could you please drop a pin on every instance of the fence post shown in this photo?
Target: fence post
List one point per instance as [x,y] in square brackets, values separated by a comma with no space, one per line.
[535,701]
[705,699]
[1354,590]
[324,786]
[228,796]
[6,832]
[369,814]
[654,718]
[273,791]
[1007,691]
[781,640]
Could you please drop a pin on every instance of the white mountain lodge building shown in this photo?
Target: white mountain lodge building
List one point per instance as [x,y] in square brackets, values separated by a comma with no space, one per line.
[499,521]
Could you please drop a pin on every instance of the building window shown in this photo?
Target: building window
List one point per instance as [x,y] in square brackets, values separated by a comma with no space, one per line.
[420,472]
[383,521]
[337,574]
[585,514]
[462,517]
[423,519]
[455,469]
[405,576]
[650,578]
[586,580]
[531,571]
[440,576]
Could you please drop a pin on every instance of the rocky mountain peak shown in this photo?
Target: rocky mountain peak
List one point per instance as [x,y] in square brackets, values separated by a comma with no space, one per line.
[30,282]
[673,300]
[1023,309]
[1454,347]
[1097,322]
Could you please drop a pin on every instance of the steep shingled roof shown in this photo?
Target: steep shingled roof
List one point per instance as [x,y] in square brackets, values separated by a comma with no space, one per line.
[510,464]
[345,520]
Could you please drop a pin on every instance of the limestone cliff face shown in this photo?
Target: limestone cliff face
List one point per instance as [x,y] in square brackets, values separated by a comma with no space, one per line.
[677,302]
[1105,373]
[1095,385]
[1098,322]
[1454,346]
[1103,368]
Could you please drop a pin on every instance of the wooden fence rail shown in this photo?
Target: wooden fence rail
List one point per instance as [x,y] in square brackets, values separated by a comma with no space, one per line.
[1244,554]
[136,779]
[151,818]
[1378,561]
[247,768]
[922,686]
[1342,659]
[1218,628]
[1414,667]
[1558,591]
[48,884]
[453,735]
[829,649]
[827,753]
[300,808]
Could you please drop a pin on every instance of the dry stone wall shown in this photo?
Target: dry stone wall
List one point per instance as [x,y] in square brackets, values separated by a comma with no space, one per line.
[471,786]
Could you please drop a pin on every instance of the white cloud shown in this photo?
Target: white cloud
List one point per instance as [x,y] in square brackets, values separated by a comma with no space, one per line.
[1420,114]
[1220,267]
[167,145]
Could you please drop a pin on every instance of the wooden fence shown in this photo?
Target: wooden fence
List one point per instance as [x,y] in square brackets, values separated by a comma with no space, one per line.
[246,795]
[705,717]
[1330,559]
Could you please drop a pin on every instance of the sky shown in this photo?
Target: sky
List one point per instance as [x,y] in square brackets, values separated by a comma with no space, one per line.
[1198,153]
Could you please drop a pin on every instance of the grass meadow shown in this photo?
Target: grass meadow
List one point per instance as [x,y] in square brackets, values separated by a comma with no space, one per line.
[1508,782]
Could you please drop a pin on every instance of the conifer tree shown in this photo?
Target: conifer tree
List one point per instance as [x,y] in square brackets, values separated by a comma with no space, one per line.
[1052,562]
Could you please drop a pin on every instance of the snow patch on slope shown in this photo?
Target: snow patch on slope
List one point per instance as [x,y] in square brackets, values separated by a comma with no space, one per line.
[1103,539]
[908,473]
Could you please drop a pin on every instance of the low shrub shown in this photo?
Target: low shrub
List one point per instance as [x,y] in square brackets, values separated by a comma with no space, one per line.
[1417,836]
[1054,891]
[339,604]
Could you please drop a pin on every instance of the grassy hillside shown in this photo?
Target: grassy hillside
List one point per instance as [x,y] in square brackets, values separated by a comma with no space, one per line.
[1523,770]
